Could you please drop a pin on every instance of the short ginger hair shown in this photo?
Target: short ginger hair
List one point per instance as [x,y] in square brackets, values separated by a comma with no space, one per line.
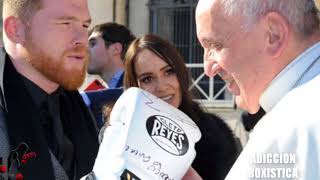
[22,9]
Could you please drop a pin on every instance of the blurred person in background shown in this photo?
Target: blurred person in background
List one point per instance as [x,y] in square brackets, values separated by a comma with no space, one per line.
[108,43]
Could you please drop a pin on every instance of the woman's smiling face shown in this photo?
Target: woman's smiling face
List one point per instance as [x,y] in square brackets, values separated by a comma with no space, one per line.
[157,77]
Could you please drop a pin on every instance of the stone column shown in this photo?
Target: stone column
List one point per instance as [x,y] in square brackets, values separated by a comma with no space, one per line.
[121,12]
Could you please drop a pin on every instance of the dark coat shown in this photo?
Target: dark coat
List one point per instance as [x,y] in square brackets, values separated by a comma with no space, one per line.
[216,150]
[20,121]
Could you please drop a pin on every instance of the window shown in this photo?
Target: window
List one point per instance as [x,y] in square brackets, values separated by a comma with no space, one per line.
[174,20]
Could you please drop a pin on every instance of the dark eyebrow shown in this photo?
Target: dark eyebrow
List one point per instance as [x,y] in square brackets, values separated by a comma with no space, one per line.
[144,74]
[165,67]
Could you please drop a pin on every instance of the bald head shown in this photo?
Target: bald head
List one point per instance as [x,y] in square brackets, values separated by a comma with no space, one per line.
[302,15]
[204,5]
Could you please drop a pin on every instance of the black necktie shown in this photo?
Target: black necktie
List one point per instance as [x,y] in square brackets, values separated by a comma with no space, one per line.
[58,142]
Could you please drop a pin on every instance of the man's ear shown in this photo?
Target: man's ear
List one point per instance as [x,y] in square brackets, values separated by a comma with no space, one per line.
[117,48]
[277,31]
[14,29]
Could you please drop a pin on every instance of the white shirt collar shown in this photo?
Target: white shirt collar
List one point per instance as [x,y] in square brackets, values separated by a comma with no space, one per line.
[288,77]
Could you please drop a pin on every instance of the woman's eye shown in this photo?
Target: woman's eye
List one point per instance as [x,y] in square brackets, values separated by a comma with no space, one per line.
[146,79]
[170,71]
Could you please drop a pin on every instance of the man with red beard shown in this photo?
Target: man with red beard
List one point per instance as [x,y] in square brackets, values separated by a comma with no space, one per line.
[43,62]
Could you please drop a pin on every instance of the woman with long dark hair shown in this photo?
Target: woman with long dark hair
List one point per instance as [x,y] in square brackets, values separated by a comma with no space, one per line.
[155,65]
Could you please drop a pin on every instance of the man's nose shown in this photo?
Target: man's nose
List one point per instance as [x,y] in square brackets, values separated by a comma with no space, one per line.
[211,67]
[81,37]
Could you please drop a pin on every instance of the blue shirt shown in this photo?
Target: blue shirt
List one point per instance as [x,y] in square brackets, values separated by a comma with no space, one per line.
[117,80]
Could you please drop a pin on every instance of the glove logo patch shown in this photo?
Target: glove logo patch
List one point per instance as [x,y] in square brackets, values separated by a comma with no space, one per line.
[167,134]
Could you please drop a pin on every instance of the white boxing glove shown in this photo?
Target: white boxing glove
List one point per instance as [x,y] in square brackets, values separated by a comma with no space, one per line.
[147,139]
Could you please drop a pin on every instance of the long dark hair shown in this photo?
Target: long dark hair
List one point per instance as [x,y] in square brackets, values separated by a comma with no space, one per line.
[166,51]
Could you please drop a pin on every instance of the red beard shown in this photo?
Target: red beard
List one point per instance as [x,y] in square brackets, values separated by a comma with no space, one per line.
[55,69]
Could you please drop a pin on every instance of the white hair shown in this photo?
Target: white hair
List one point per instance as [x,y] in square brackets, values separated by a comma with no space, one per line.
[297,12]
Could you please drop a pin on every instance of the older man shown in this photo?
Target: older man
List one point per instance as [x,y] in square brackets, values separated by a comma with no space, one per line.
[268,52]
[46,129]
